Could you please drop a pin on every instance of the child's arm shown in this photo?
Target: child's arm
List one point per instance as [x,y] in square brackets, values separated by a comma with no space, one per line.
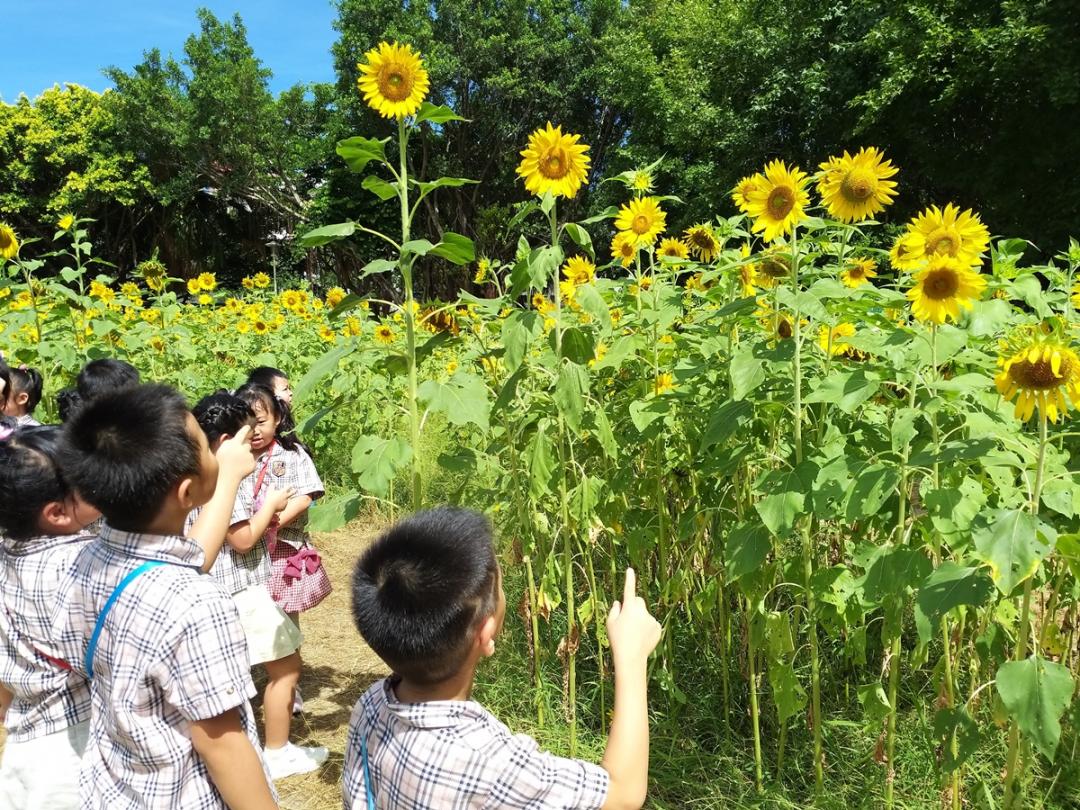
[297,506]
[5,700]
[233,763]
[244,535]
[235,463]
[633,634]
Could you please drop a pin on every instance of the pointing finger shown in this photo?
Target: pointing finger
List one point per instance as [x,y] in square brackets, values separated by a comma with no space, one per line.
[630,587]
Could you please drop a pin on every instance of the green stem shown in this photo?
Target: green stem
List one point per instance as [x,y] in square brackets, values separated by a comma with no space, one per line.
[754,716]
[417,487]
[1016,762]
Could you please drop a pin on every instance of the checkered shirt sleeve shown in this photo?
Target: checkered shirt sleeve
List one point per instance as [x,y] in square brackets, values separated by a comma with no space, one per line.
[297,471]
[46,697]
[456,755]
[235,570]
[171,652]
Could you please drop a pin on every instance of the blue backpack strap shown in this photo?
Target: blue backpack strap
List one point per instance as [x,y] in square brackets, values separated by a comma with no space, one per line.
[131,577]
[367,775]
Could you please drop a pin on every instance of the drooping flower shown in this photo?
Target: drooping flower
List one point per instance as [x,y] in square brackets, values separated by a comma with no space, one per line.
[643,218]
[739,194]
[773,267]
[9,244]
[393,81]
[951,232]
[579,270]
[702,242]
[554,162]
[943,288]
[778,202]
[855,187]
[858,272]
[1039,370]
[384,334]
[624,248]
[673,249]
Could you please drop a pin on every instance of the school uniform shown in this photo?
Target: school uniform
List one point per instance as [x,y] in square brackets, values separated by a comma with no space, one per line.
[297,579]
[27,420]
[47,722]
[454,755]
[170,652]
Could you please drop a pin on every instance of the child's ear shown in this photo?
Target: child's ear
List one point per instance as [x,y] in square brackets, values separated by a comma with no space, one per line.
[21,399]
[55,517]
[485,637]
[184,493]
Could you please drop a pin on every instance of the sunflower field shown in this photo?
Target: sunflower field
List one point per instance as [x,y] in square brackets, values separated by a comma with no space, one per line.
[838,452]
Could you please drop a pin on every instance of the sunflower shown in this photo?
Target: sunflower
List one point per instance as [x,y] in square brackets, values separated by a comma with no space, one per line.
[260,327]
[774,266]
[207,282]
[327,334]
[642,181]
[624,248]
[859,272]
[743,188]
[942,288]
[643,218]
[855,187]
[702,242]
[451,367]
[778,201]
[553,162]
[9,245]
[260,281]
[579,270]
[664,382]
[483,269]
[906,252]
[66,222]
[243,327]
[748,279]
[193,287]
[290,299]
[1041,370]
[950,232]
[673,249]
[384,334]
[205,299]
[832,342]
[393,80]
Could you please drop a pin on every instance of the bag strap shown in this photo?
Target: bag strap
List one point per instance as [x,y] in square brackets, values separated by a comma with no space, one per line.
[131,577]
[367,775]
[262,473]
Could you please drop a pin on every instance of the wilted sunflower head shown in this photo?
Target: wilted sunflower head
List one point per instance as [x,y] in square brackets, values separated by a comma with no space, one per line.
[1038,370]
[554,162]
[943,288]
[778,201]
[702,242]
[393,80]
[853,188]
[858,272]
[9,245]
[643,218]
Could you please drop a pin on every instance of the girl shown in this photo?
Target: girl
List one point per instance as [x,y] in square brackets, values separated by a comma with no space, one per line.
[243,569]
[47,704]
[274,379]
[25,394]
[298,581]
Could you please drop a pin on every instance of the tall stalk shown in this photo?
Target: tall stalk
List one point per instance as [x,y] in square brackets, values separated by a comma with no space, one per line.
[755,715]
[807,549]
[1016,762]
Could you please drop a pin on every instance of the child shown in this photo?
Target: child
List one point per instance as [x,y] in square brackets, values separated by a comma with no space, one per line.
[298,581]
[171,726]
[105,376]
[275,380]
[42,521]
[428,599]
[26,384]
[243,569]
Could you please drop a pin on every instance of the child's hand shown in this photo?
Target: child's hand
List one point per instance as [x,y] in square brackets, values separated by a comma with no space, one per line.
[278,499]
[234,455]
[632,630]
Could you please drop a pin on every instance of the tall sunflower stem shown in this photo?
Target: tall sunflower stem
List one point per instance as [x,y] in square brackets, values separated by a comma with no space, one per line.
[406,264]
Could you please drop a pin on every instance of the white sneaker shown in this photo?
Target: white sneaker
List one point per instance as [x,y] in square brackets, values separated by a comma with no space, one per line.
[290,760]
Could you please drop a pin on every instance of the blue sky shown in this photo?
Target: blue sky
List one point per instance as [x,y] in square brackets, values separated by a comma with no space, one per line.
[49,42]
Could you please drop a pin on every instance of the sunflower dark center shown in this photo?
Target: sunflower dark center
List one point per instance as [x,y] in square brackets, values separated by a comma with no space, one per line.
[641,224]
[941,284]
[5,240]
[1039,376]
[553,164]
[781,201]
[858,185]
[942,241]
[784,329]
[394,83]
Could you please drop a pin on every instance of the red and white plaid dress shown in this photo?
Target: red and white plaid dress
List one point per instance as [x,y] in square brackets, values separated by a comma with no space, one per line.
[298,580]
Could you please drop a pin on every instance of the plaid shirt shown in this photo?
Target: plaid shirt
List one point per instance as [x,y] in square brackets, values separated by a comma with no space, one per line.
[27,420]
[171,653]
[286,468]
[47,697]
[234,570]
[455,755]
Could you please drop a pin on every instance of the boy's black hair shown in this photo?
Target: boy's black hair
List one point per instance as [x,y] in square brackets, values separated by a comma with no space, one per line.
[103,376]
[221,414]
[125,450]
[27,381]
[67,400]
[419,592]
[30,478]
[265,375]
[5,379]
[255,394]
